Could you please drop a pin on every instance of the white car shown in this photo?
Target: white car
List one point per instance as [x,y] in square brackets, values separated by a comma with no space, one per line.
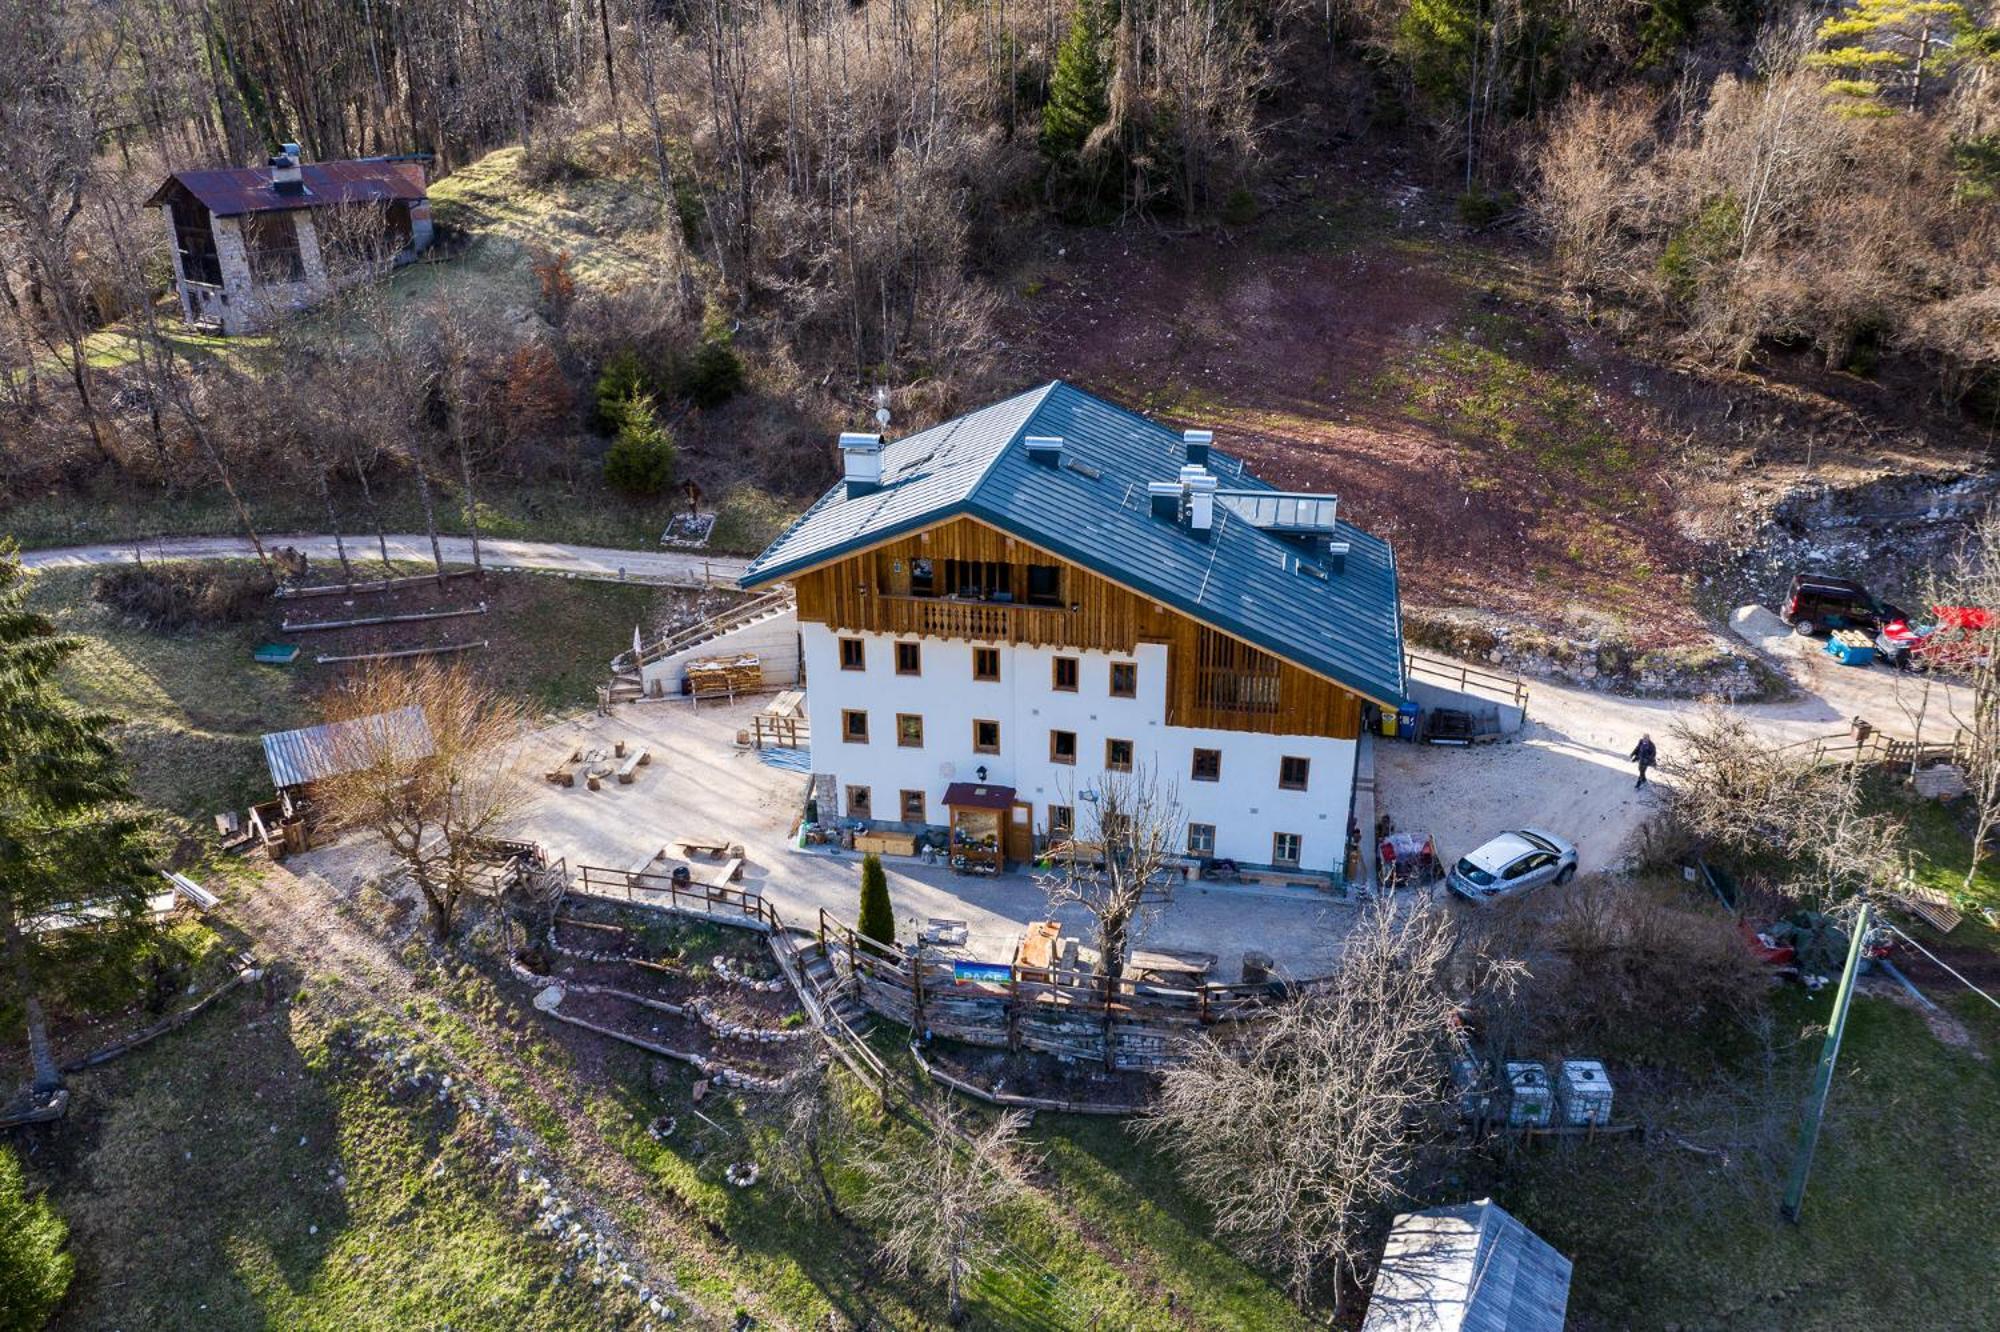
[1511,864]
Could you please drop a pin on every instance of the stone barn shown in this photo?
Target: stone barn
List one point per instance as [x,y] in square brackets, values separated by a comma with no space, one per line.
[251,244]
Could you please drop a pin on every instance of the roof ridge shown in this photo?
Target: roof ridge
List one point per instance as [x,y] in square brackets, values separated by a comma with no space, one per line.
[1041,398]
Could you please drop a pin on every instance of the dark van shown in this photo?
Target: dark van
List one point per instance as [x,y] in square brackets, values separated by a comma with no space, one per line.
[1819,603]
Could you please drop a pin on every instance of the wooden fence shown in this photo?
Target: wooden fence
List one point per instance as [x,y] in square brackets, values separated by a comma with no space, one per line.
[1870,746]
[1505,687]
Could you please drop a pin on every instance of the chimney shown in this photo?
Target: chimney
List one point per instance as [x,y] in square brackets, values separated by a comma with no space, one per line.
[1335,557]
[862,456]
[1200,487]
[1045,449]
[1196,443]
[1166,499]
[285,177]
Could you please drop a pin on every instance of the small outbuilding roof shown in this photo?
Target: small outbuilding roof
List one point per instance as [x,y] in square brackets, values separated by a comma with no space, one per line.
[313,753]
[1468,1268]
[978,795]
[233,191]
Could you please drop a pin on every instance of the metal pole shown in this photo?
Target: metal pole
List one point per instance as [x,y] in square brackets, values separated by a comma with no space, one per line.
[1829,1053]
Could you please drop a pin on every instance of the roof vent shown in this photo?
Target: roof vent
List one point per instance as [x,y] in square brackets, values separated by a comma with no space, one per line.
[1044,449]
[1197,443]
[1200,488]
[285,176]
[861,456]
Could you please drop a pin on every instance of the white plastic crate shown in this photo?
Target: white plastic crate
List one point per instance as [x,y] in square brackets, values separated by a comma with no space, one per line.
[1583,1092]
[1530,1098]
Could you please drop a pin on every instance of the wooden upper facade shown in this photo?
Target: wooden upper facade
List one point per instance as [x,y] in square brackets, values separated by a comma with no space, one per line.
[964,579]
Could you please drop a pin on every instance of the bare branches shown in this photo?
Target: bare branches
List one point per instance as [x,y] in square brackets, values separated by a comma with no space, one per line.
[1123,862]
[1297,1138]
[1734,791]
[433,793]
[1967,650]
[933,1193]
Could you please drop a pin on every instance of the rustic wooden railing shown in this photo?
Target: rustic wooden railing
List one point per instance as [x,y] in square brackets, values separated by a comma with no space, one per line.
[660,890]
[713,627]
[999,621]
[1500,685]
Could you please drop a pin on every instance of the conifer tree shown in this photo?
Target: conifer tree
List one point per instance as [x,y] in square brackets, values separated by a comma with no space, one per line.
[1079,87]
[34,1267]
[1887,48]
[69,831]
[641,460]
[878,918]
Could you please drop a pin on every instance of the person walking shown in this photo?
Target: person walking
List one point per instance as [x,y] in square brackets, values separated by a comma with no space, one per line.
[1645,754]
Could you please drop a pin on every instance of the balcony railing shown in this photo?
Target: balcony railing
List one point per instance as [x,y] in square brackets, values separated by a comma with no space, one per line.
[998,621]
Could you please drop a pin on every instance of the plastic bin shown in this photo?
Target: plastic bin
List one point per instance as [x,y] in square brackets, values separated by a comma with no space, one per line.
[1856,651]
[1406,721]
[1583,1092]
[1530,1099]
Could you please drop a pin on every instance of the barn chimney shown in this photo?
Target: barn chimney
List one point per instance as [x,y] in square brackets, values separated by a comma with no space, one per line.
[1196,443]
[285,175]
[1199,483]
[862,459]
[1044,449]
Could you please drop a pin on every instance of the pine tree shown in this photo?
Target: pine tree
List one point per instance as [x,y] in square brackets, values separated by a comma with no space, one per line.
[1886,48]
[1079,88]
[641,460]
[34,1269]
[878,918]
[69,832]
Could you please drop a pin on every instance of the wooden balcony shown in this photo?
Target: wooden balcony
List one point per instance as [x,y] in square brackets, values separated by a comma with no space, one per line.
[986,621]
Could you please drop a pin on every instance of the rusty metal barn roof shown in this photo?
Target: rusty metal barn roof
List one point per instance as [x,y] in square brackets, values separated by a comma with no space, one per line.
[312,753]
[233,191]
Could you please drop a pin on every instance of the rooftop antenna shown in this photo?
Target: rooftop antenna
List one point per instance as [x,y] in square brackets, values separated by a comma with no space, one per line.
[882,407]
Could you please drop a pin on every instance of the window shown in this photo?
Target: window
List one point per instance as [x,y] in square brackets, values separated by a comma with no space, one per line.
[986,737]
[854,726]
[1066,672]
[1062,820]
[271,244]
[1118,755]
[858,806]
[986,663]
[1285,849]
[909,730]
[1062,747]
[909,659]
[1124,679]
[1207,766]
[913,807]
[1044,585]
[1201,839]
[853,655]
[1292,773]
[923,579]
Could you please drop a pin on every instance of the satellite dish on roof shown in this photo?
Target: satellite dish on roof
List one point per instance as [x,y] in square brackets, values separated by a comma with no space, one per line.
[882,406]
[882,417]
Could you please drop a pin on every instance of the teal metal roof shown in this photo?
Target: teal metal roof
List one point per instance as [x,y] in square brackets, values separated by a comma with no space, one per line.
[1094,511]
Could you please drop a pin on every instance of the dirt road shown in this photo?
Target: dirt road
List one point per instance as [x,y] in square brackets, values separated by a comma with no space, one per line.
[1569,772]
[604,562]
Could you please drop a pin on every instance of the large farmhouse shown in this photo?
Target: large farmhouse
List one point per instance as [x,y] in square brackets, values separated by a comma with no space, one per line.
[1004,607]
[249,245]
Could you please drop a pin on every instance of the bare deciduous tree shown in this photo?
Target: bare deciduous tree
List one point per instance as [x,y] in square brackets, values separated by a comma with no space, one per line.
[435,794]
[1122,863]
[1297,1137]
[933,1194]
[1967,652]
[1735,791]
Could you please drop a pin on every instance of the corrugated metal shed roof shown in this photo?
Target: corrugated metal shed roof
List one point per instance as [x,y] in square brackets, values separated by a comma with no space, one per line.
[1094,511]
[232,191]
[1468,1268]
[312,753]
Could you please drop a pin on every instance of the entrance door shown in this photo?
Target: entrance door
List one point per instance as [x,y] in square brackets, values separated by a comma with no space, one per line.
[1021,832]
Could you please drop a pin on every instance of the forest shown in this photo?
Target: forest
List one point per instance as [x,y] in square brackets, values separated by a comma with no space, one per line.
[833,197]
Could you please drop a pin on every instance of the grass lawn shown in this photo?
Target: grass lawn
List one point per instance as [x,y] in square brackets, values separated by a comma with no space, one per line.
[248,1172]
[192,704]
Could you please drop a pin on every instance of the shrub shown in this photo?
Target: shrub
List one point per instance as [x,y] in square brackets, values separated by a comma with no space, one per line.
[715,372]
[641,459]
[175,596]
[34,1269]
[623,377]
[1479,209]
[878,918]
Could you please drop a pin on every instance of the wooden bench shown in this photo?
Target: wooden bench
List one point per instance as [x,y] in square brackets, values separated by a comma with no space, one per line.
[730,872]
[644,867]
[634,761]
[560,774]
[697,846]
